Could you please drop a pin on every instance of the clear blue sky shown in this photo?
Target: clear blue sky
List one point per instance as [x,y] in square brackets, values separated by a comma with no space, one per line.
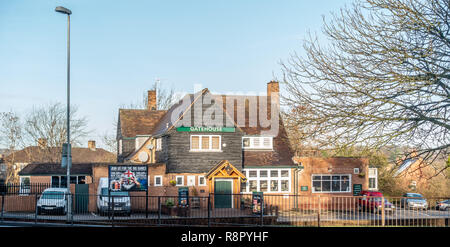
[118,48]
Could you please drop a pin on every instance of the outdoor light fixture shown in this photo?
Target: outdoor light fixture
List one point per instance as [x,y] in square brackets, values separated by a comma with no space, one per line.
[67,156]
[63,10]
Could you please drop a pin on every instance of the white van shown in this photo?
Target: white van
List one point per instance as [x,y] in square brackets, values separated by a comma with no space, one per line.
[122,202]
[53,200]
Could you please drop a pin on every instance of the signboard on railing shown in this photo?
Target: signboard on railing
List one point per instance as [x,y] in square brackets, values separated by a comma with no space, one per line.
[128,177]
[257,202]
[357,188]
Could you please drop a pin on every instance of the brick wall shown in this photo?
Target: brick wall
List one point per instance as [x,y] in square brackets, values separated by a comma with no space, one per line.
[338,165]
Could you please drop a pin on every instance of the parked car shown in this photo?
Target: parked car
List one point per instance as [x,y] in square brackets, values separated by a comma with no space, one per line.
[372,201]
[122,202]
[414,201]
[443,205]
[53,200]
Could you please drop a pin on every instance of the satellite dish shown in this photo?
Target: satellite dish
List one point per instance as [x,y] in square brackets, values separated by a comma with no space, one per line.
[150,146]
[143,157]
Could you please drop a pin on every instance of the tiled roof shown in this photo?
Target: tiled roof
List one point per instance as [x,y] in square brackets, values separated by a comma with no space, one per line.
[48,169]
[138,122]
[145,122]
[282,152]
[34,154]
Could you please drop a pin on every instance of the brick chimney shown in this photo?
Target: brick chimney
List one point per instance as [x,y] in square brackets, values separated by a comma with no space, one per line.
[273,89]
[151,100]
[91,145]
[42,143]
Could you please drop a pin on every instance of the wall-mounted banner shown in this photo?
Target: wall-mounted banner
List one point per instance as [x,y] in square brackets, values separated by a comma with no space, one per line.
[206,129]
[128,177]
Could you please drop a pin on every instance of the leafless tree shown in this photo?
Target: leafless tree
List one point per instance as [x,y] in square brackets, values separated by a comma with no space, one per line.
[165,98]
[381,79]
[50,122]
[109,138]
[12,139]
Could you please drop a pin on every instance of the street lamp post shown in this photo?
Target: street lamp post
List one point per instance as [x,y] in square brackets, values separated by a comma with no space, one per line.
[68,153]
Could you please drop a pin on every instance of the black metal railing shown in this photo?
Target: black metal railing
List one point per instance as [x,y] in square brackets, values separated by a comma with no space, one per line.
[137,209]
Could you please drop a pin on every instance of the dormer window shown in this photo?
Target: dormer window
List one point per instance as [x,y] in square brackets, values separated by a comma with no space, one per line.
[257,142]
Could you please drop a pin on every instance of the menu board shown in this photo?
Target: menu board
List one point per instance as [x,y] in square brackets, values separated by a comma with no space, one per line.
[357,188]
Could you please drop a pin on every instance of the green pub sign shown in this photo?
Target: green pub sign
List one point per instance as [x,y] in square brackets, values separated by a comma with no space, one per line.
[206,129]
[357,188]
[304,188]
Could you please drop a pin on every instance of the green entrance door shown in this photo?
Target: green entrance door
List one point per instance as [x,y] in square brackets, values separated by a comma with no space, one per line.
[81,198]
[223,193]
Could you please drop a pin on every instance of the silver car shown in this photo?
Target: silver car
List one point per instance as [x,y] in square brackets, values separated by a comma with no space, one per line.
[414,201]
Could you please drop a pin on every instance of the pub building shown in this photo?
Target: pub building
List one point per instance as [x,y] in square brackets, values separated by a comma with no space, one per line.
[209,145]
[212,144]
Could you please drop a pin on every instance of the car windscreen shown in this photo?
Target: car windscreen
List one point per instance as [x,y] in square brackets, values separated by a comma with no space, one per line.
[113,193]
[53,195]
[414,195]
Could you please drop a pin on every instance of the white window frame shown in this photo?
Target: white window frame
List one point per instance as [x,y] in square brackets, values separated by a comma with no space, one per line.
[373,176]
[261,141]
[201,149]
[158,144]
[350,184]
[182,180]
[154,181]
[268,179]
[139,141]
[190,178]
[24,190]
[204,180]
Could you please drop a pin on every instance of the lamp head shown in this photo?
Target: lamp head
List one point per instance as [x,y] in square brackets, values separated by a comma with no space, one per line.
[63,10]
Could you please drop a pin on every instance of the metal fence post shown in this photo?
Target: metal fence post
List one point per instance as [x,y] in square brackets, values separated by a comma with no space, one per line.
[35,208]
[318,211]
[383,215]
[159,210]
[71,206]
[209,210]
[112,217]
[261,213]
[146,204]
[3,205]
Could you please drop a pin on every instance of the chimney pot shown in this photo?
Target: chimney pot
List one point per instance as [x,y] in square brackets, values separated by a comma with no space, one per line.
[151,100]
[91,145]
